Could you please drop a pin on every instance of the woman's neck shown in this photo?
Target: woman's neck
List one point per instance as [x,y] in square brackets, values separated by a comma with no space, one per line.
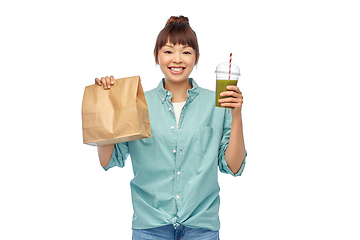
[178,90]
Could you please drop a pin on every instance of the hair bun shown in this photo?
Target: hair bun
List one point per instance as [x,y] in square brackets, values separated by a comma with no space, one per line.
[179,19]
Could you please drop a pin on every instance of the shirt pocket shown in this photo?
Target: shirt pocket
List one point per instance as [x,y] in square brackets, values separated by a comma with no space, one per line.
[204,146]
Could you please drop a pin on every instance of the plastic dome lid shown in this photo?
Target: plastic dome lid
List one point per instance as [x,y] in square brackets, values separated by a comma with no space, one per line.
[224,68]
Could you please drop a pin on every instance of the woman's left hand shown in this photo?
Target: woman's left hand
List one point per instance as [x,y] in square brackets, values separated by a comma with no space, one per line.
[234,100]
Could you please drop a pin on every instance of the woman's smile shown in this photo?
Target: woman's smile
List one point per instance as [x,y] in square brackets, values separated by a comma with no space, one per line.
[177,70]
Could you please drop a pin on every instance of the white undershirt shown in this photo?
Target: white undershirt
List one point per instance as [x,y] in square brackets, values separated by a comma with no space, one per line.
[177,110]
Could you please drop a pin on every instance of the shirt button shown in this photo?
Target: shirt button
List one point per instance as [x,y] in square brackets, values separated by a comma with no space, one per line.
[174,151]
[180,149]
[172,127]
[178,173]
[163,99]
[168,93]
[169,109]
[177,196]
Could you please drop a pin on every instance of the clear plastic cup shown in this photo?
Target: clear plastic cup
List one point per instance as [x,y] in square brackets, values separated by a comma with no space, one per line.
[222,79]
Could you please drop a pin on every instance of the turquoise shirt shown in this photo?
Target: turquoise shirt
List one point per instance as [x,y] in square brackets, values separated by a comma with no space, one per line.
[176,169]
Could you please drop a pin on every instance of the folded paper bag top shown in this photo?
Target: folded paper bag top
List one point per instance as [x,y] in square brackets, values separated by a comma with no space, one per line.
[119,114]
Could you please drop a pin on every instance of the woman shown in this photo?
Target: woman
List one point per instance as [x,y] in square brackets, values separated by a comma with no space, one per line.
[175,191]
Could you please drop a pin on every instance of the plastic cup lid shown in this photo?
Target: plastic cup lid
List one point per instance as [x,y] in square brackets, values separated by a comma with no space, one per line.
[224,68]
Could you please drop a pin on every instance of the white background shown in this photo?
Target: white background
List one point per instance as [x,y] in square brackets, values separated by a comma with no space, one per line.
[300,75]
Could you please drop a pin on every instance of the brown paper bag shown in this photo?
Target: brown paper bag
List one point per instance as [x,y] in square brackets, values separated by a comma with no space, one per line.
[119,114]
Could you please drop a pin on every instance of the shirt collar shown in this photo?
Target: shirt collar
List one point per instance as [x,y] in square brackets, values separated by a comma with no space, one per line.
[165,94]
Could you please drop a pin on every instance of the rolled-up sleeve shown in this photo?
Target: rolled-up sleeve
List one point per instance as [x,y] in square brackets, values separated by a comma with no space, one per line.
[118,156]
[223,166]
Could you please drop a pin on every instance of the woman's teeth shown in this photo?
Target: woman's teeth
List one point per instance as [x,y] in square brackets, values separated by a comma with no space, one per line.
[176,69]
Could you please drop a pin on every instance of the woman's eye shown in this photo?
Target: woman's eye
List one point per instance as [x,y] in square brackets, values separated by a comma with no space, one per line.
[168,52]
[187,52]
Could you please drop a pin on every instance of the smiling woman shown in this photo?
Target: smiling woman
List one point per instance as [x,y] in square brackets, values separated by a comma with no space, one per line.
[177,31]
[176,62]
[190,140]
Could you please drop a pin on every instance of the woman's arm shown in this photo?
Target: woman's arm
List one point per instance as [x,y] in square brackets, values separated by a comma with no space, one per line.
[105,152]
[235,152]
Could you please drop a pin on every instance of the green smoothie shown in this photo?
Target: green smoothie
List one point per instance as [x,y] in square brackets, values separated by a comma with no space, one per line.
[221,87]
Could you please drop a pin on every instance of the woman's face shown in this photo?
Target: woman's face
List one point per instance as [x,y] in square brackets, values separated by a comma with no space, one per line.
[176,61]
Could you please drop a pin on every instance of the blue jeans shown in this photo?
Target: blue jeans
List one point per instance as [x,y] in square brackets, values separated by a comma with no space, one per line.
[169,233]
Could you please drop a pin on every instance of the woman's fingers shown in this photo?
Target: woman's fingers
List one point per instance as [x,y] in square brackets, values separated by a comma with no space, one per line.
[98,81]
[105,81]
[233,91]
[233,88]
[234,97]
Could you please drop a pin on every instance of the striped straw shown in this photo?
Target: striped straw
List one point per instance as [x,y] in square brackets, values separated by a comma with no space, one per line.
[230,65]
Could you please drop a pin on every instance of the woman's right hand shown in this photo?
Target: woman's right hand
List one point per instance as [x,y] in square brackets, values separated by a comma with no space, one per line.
[106,82]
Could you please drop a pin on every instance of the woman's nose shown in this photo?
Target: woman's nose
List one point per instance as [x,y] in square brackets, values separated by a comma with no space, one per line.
[177,58]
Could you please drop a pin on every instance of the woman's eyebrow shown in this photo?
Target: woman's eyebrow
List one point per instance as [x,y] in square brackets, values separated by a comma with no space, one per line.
[172,46]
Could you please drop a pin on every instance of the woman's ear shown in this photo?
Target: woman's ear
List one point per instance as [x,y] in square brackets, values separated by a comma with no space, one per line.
[197,60]
[156,60]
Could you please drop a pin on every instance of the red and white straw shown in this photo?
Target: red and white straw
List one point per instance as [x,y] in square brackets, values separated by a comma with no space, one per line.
[230,65]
